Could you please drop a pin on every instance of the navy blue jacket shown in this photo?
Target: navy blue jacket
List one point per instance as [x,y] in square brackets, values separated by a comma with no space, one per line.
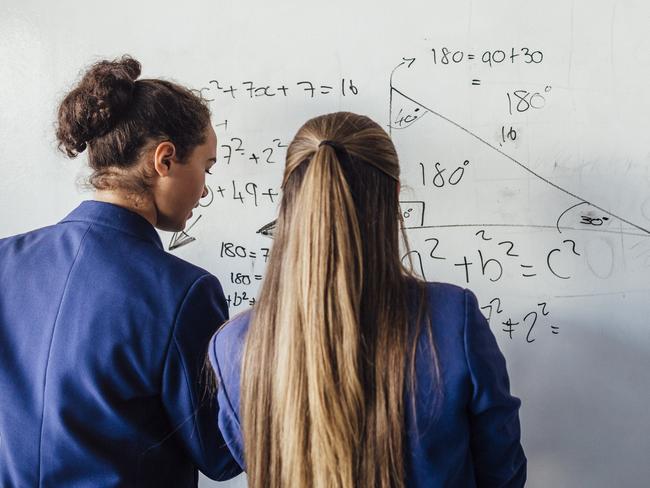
[103,337]
[467,437]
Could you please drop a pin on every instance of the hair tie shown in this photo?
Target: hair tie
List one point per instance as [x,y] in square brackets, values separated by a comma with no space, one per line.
[333,144]
[343,154]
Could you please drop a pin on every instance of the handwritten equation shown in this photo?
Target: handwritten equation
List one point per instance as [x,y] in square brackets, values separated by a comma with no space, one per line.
[252,90]
[236,151]
[529,325]
[444,56]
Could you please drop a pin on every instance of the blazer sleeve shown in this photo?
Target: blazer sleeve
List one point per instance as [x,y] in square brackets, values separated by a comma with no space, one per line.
[192,412]
[499,459]
[228,417]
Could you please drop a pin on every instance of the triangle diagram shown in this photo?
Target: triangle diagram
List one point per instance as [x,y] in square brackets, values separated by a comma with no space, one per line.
[481,184]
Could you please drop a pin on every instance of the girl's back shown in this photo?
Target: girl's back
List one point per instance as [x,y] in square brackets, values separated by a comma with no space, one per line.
[464,431]
[103,333]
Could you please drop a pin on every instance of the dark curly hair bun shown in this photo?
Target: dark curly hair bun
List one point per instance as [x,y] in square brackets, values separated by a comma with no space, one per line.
[100,100]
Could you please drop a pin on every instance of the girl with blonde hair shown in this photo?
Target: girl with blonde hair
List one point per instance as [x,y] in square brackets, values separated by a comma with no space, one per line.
[350,371]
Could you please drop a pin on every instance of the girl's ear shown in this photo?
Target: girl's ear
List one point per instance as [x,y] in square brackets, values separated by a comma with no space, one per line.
[162,158]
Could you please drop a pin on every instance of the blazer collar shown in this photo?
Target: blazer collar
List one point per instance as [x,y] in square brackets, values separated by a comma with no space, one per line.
[116,217]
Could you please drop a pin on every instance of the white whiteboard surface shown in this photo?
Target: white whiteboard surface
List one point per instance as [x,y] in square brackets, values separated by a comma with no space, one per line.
[544,107]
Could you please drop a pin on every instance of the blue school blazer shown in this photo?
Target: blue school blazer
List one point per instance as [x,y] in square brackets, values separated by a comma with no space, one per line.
[103,337]
[467,437]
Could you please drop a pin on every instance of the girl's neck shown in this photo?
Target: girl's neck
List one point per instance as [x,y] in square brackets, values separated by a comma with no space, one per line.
[141,205]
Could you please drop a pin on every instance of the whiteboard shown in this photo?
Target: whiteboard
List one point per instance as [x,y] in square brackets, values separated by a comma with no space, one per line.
[522,134]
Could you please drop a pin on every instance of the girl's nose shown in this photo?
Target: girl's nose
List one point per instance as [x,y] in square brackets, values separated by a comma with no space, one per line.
[205,192]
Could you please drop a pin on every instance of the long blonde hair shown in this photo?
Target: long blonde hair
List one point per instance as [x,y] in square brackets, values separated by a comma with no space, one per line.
[325,361]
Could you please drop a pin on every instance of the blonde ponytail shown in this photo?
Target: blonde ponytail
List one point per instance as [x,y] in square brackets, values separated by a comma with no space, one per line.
[326,353]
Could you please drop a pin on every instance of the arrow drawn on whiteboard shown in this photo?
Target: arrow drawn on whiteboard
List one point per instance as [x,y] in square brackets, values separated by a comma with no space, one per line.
[268,229]
[407,116]
[408,61]
[180,239]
